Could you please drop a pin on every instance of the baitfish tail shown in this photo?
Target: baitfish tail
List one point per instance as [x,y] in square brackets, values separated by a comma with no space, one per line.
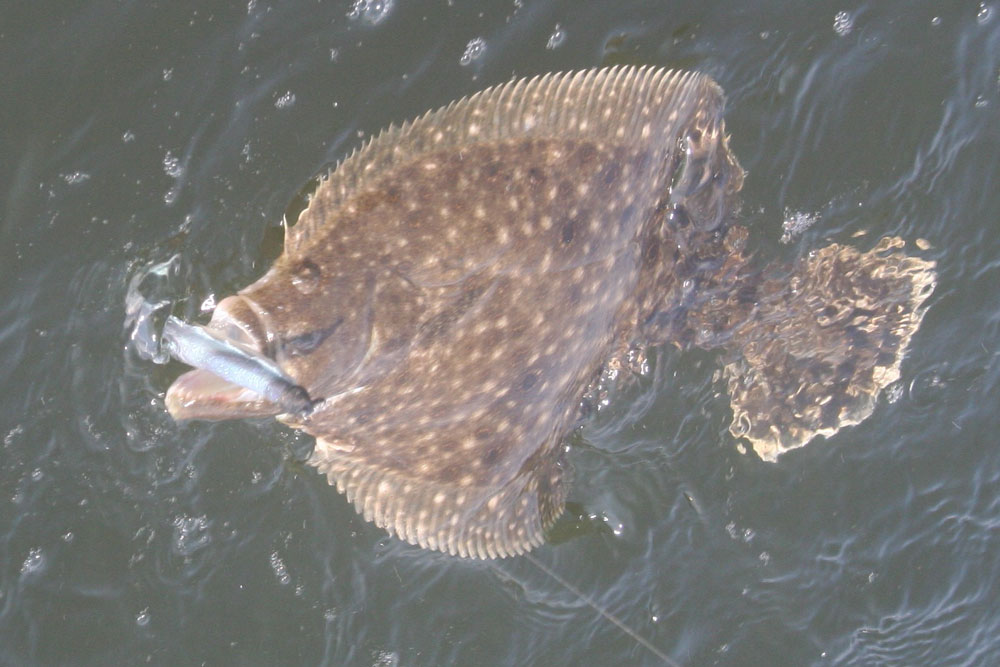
[810,350]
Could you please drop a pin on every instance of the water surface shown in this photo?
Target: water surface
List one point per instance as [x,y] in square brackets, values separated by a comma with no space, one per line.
[159,144]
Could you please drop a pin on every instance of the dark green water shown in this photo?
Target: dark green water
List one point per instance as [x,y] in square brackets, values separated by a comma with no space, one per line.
[142,134]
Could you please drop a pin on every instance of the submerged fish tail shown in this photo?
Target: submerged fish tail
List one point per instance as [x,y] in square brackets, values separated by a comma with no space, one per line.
[817,345]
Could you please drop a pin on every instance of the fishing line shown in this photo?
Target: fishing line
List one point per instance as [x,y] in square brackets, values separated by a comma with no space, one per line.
[596,607]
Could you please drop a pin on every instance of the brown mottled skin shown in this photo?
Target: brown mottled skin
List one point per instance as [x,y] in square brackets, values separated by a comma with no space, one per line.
[453,287]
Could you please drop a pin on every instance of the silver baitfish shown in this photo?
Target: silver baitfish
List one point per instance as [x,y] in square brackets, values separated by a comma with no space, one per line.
[455,285]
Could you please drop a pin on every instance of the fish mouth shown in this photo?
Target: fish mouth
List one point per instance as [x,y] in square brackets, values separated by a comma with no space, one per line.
[234,376]
[202,395]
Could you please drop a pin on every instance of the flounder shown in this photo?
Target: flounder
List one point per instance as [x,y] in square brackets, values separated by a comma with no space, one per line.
[454,286]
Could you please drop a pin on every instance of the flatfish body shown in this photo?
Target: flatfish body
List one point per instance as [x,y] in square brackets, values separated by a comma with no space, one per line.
[453,287]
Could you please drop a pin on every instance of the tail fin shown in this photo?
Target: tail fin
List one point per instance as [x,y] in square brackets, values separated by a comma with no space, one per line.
[822,341]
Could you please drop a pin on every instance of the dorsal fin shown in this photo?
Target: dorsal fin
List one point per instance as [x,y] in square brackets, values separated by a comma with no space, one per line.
[616,105]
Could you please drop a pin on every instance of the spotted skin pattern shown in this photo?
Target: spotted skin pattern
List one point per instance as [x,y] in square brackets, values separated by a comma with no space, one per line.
[454,286]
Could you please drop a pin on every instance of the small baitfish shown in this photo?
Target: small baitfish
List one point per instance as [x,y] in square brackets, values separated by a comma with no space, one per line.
[455,285]
[225,361]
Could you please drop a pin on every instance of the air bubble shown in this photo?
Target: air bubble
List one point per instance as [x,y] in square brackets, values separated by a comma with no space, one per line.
[172,166]
[984,14]
[190,534]
[926,388]
[34,561]
[843,23]
[556,39]
[894,392]
[76,178]
[386,659]
[795,224]
[285,101]
[280,571]
[371,12]
[13,434]
[474,50]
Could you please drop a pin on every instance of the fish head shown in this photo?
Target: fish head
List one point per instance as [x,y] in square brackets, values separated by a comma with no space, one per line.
[310,315]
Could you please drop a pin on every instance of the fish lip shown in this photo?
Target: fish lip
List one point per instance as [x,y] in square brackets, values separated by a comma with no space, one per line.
[200,395]
[242,322]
